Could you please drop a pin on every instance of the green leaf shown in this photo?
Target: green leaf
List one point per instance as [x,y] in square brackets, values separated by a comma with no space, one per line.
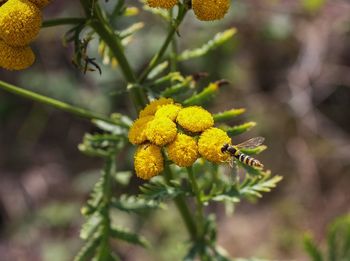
[131,30]
[254,151]
[157,190]
[133,204]
[312,249]
[122,177]
[88,249]
[95,199]
[132,238]
[90,226]
[182,87]
[254,186]
[207,94]
[239,129]
[338,239]
[158,70]
[228,115]
[218,40]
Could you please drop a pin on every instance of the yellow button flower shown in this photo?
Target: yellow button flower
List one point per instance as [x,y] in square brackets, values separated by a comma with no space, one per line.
[195,119]
[170,111]
[209,10]
[183,151]
[151,108]
[40,3]
[210,144]
[149,161]
[167,4]
[15,58]
[20,22]
[137,134]
[161,131]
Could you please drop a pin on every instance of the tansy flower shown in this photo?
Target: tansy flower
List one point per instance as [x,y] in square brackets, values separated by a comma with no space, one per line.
[137,134]
[183,150]
[161,131]
[170,111]
[167,4]
[15,58]
[209,10]
[210,143]
[148,161]
[151,108]
[195,119]
[20,22]
[40,3]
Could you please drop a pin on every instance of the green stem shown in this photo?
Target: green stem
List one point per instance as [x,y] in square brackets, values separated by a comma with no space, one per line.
[102,27]
[63,21]
[110,167]
[159,55]
[173,55]
[199,205]
[52,102]
[182,207]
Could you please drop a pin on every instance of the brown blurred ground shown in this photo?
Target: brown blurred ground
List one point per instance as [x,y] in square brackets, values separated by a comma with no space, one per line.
[288,66]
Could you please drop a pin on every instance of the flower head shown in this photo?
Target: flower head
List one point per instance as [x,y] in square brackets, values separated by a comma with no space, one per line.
[149,161]
[20,22]
[210,144]
[167,4]
[195,119]
[161,131]
[183,151]
[40,3]
[15,58]
[137,134]
[209,10]
[169,110]
[151,108]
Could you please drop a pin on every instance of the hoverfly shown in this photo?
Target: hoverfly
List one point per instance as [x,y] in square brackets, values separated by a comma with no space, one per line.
[233,150]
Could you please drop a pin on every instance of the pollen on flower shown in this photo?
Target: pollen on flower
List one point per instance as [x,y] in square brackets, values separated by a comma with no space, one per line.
[170,111]
[151,108]
[20,22]
[195,119]
[137,134]
[40,3]
[167,4]
[209,10]
[15,58]
[183,151]
[161,131]
[210,143]
[148,161]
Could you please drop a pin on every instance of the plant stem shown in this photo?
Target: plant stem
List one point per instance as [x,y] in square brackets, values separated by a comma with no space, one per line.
[63,21]
[102,27]
[52,102]
[159,55]
[199,205]
[182,207]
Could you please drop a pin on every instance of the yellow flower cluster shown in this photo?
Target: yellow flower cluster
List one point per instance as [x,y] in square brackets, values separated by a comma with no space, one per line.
[162,123]
[20,22]
[205,10]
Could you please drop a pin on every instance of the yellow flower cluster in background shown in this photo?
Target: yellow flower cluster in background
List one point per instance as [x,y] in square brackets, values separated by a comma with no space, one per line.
[20,22]
[205,10]
[184,133]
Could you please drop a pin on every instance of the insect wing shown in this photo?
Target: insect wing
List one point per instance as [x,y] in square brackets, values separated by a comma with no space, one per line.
[251,143]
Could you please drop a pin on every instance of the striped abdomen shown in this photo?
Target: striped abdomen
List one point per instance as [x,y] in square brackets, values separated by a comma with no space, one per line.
[245,158]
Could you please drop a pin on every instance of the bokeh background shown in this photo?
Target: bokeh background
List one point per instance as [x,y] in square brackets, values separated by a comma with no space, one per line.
[289,65]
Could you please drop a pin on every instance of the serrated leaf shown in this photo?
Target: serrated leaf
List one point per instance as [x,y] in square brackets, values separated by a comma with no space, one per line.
[158,70]
[127,236]
[88,249]
[181,87]
[133,204]
[239,129]
[131,30]
[228,115]
[207,94]
[123,177]
[90,226]
[254,186]
[218,40]
[159,191]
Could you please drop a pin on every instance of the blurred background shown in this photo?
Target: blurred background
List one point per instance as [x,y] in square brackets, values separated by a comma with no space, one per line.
[288,65]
